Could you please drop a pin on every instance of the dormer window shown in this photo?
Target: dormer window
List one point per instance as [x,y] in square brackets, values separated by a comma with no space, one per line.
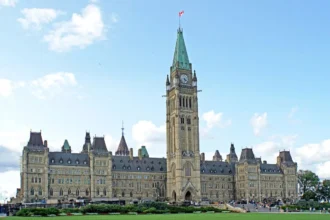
[52,161]
[77,161]
[148,168]
[69,161]
[203,171]
[114,167]
[121,161]
[129,167]
[152,168]
[124,168]
[85,162]
[138,168]
[161,168]
[61,161]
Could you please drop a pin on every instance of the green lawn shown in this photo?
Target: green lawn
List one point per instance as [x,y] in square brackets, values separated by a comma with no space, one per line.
[230,216]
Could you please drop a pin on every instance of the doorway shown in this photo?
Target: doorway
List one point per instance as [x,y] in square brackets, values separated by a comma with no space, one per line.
[188,196]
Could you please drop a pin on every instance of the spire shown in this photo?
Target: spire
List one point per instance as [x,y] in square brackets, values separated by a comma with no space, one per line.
[217,156]
[122,149]
[122,128]
[180,59]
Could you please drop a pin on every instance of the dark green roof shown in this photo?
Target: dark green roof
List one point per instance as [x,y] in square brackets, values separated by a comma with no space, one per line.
[180,59]
[144,151]
[66,145]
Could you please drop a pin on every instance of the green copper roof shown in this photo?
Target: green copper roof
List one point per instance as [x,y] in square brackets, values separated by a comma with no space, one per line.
[180,59]
[66,145]
[144,151]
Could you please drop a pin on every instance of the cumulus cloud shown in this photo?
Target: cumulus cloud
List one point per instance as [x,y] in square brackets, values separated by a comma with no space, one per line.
[314,153]
[11,183]
[215,119]
[258,122]
[82,30]
[8,3]
[35,17]
[323,170]
[152,136]
[7,87]
[111,143]
[9,160]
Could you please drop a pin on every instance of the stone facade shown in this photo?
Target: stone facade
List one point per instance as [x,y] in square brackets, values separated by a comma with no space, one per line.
[95,174]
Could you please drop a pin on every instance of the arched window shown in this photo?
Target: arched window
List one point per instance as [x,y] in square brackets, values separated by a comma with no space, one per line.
[180,101]
[69,191]
[77,192]
[189,102]
[123,194]
[131,194]
[61,192]
[188,170]
[40,191]
[32,180]
[98,192]
[32,191]
[105,191]
[35,179]
[51,192]
[184,102]
[87,192]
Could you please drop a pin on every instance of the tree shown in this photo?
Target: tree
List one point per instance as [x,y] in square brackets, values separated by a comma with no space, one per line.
[309,195]
[324,189]
[308,179]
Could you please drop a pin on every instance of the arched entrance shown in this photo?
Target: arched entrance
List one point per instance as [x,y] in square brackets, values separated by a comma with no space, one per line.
[188,196]
[174,196]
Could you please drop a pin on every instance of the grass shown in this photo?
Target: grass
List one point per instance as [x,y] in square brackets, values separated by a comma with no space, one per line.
[230,216]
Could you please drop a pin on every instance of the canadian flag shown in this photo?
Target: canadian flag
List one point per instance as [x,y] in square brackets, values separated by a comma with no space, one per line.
[181,13]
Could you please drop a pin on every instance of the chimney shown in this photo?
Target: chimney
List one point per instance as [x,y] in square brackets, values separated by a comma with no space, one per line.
[203,157]
[140,154]
[45,143]
[264,162]
[131,153]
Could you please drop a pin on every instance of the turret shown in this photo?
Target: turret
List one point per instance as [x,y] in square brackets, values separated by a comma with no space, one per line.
[194,79]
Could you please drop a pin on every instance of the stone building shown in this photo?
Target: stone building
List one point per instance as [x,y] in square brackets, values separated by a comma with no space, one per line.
[96,174]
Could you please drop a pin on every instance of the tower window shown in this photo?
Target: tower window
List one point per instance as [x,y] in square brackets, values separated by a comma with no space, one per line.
[180,101]
[182,120]
[182,128]
[188,121]
[183,100]
[189,102]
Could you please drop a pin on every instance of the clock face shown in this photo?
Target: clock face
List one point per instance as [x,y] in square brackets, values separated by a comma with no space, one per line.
[184,78]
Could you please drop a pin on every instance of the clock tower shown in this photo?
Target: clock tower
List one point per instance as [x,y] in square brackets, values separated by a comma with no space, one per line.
[182,128]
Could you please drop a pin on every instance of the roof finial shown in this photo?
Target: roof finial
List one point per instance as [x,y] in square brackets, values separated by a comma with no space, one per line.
[122,128]
[180,14]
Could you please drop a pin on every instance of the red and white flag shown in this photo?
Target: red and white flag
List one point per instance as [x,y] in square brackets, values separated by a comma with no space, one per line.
[181,13]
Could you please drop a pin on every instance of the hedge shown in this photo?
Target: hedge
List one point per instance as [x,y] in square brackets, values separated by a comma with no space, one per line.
[144,208]
[306,206]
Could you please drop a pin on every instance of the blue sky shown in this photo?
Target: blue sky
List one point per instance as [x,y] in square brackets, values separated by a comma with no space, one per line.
[71,66]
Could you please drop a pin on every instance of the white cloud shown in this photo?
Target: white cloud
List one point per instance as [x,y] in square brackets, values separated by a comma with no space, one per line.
[6,87]
[314,153]
[111,143]
[153,137]
[292,112]
[9,186]
[9,3]
[323,170]
[215,119]
[258,122]
[36,17]
[82,30]
[94,1]
[52,84]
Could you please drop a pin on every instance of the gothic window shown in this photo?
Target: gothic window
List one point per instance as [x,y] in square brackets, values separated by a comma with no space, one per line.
[61,192]
[123,194]
[105,191]
[188,170]
[69,191]
[182,120]
[32,191]
[52,180]
[189,102]
[35,179]
[39,180]
[98,192]
[183,104]
[131,194]
[180,100]
[40,191]
[77,192]
[87,192]
[51,192]
[188,121]
[182,128]
[32,179]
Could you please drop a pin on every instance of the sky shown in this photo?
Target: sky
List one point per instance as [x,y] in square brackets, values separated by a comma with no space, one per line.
[67,67]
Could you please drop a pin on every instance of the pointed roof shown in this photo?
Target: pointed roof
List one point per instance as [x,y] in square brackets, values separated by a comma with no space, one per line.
[66,147]
[122,149]
[217,156]
[144,152]
[180,59]
[247,155]
[87,142]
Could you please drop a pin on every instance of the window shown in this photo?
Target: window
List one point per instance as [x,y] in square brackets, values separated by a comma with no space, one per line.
[40,191]
[188,121]
[85,162]
[189,102]
[32,192]
[32,179]
[39,180]
[188,170]
[69,161]
[131,194]
[77,192]
[87,192]
[52,180]
[51,192]
[182,120]
[53,161]
[61,192]
[98,192]
[123,194]
[69,191]
[105,191]
[61,161]
[77,161]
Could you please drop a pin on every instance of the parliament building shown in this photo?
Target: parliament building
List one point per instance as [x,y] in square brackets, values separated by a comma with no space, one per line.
[96,174]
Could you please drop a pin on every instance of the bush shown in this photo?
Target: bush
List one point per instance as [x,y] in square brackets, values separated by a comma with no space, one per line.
[38,211]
